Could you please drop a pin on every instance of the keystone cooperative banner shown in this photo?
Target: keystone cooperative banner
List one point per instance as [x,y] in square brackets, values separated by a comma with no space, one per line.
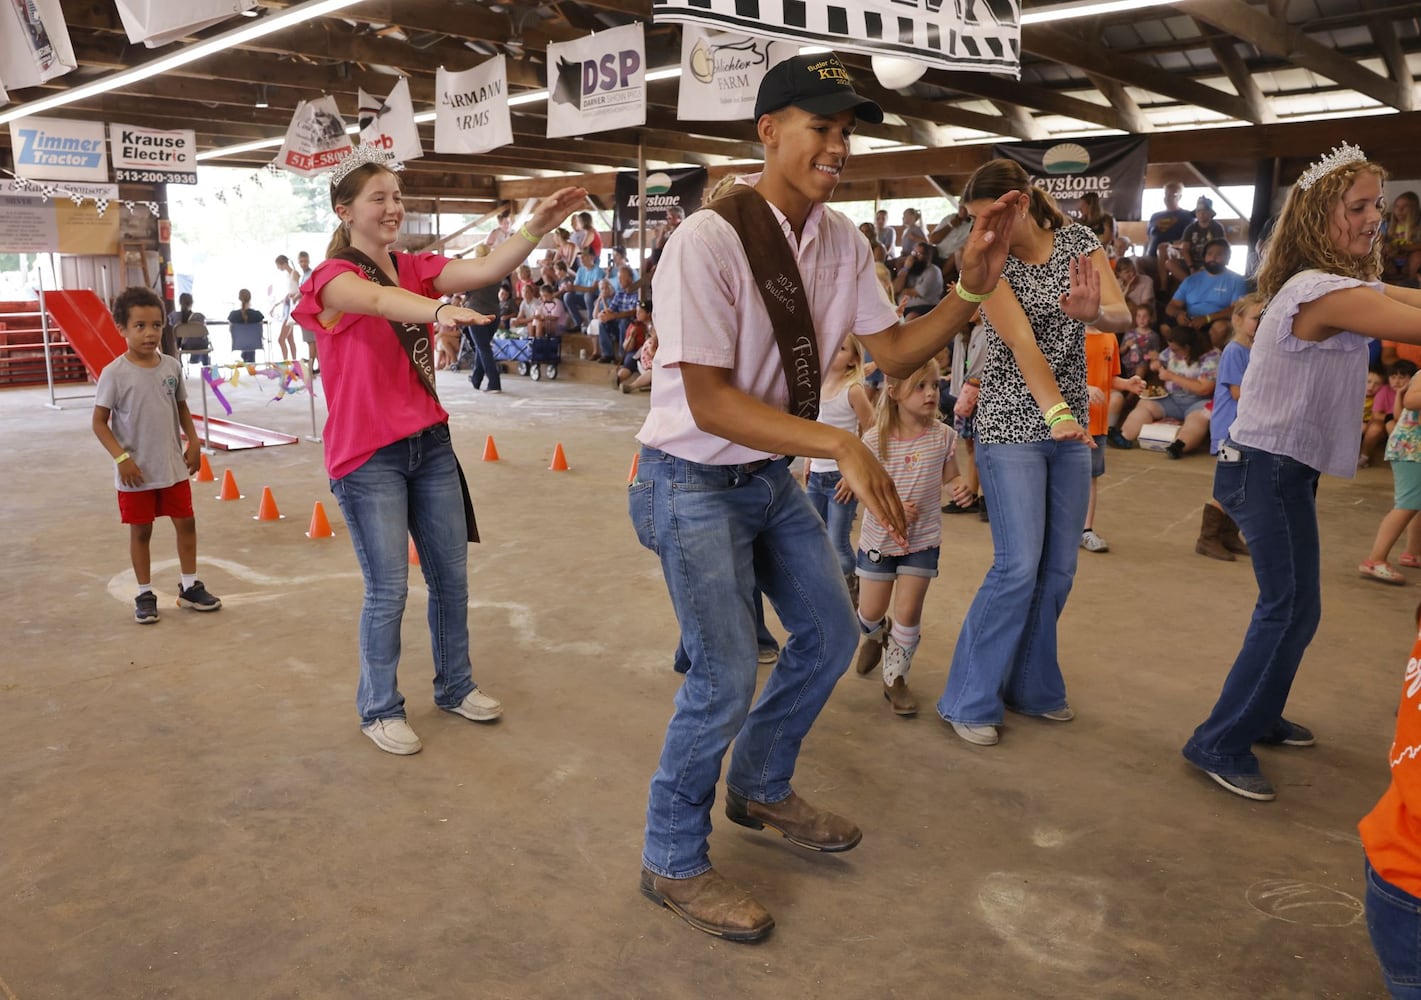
[975,35]
[665,189]
[1113,168]
[58,149]
[151,156]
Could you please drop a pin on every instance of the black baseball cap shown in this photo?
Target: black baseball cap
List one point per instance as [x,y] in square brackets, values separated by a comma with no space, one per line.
[819,84]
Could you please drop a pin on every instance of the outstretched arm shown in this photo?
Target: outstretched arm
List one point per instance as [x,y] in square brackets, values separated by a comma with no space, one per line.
[1360,309]
[477,272]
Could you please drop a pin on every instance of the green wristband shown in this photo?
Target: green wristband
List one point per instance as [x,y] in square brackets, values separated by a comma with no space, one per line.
[967,296]
[1060,418]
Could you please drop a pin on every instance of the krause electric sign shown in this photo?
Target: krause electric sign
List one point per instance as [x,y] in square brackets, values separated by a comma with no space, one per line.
[55,149]
[152,156]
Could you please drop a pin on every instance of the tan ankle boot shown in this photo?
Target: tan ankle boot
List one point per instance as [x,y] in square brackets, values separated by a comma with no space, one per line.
[709,903]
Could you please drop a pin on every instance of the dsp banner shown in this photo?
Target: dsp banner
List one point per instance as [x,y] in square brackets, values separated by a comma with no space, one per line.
[58,149]
[389,124]
[1113,168]
[158,22]
[315,139]
[975,35]
[721,73]
[471,108]
[36,224]
[597,83]
[666,190]
[151,156]
[34,43]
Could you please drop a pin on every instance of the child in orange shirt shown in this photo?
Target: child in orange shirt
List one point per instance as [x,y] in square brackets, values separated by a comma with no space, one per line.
[1102,374]
[1393,852]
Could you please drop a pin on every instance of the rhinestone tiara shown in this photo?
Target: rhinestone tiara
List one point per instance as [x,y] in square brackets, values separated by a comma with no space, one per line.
[358,157]
[1339,157]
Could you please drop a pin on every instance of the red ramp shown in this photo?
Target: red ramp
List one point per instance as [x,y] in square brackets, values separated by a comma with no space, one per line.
[88,326]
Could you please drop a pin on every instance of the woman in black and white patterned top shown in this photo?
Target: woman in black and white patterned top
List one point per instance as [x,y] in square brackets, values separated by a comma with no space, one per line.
[1033,456]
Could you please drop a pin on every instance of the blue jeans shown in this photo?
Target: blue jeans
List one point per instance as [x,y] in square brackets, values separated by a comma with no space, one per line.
[1394,923]
[837,517]
[1272,499]
[409,489]
[484,364]
[764,639]
[1037,495]
[579,306]
[720,531]
[609,338]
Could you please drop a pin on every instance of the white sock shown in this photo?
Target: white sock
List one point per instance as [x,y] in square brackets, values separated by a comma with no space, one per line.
[145,588]
[907,636]
[867,626]
[188,580]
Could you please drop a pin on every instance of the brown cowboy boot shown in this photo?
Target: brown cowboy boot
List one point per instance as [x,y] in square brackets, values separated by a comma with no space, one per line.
[1232,540]
[871,648]
[709,903]
[801,824]
[896,662]
[1210,543]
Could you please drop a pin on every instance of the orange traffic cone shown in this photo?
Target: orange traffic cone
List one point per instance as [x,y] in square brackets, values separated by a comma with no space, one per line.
[559,460]
[204,471]
[229,487]
[636,461]
[320,527]
[490,450]
[267,511]
[414,554]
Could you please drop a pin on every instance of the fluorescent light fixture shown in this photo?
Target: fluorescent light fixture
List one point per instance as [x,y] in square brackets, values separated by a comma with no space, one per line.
[260,28]
[262,100]
[669,73]
[531,97]
[1090,8]
[245,147]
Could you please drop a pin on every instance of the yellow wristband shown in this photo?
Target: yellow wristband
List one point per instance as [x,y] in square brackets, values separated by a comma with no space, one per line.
[1063,405]
[527,235]
[967,296]
[120,459]
[1060,418]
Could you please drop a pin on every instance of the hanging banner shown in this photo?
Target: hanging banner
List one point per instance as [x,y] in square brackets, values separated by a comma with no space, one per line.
[598,82]
[666,190]
[389,124]
[1112,168]
[152,156]
[315,139]
[471,108]
[34,43]
[977,35]
[721,73]
[36,223]
[158,22]
[59,149]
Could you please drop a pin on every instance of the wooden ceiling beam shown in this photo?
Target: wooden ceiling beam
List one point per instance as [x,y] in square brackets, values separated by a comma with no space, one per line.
[1000,88]
[1225,49]
[1131,116]
[1277,37]
[1384,36]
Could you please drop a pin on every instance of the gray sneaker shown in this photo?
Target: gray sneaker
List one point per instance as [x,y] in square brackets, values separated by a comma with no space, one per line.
[478,707]
[197,598]
[145,608]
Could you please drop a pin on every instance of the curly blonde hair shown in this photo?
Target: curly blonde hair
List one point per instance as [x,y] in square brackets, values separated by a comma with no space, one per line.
[1303,238]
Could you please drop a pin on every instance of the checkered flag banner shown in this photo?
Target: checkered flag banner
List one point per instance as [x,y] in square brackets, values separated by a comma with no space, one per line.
[152,208]
[982,35]
[76,198]
[102,204]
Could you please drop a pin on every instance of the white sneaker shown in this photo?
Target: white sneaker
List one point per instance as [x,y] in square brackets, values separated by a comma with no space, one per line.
[982,736]
[1092,542]
[478,706]
[1064,714]
[393,736]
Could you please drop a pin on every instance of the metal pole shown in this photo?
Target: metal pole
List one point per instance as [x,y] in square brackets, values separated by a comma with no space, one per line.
[641,206]
[53,404]
[206,424]
[315,435]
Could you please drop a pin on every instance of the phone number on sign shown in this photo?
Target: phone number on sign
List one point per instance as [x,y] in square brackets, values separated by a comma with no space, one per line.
[154,177]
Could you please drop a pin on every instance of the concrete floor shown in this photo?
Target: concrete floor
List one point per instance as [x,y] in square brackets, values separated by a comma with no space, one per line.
[190,810]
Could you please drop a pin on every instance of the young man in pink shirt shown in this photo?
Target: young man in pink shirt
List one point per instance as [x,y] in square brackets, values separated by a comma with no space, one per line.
[714,497]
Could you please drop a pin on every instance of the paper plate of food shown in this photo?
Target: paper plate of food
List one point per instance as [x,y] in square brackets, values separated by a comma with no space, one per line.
[1154,392]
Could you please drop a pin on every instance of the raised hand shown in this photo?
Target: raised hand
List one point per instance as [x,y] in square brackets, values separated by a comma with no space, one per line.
[556,207]
[985,253]
[1081,300]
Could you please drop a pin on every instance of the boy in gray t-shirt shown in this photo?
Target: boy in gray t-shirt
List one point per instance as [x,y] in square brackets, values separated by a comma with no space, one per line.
[139,410]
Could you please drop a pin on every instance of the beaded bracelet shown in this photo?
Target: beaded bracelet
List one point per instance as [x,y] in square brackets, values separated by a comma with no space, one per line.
[1063,405]
[524,232]
[967,296]
[120,459]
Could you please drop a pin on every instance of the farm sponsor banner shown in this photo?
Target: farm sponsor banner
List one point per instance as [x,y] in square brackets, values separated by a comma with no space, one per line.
[597,83]
[388,125]
[315,139]
[36,223]
[152,156]
[980,35]
[60,149]
[721,73]
[158,22]
[1112,168]
[34,43]
[471,108]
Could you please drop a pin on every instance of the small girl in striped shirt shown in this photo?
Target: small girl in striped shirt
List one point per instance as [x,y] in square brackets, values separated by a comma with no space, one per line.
[916,450]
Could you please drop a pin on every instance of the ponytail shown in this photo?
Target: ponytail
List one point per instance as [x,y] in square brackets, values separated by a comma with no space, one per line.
[1045,211]
[340,239]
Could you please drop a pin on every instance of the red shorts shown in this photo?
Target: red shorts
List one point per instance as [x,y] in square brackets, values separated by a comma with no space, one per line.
[146,506]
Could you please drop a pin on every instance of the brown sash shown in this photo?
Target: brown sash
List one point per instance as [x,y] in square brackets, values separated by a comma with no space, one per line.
[415,340]
[776,274]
